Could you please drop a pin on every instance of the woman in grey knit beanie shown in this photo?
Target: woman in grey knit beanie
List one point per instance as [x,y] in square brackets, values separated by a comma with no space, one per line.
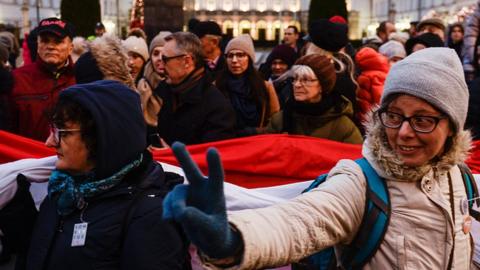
[153,75]
[415,143]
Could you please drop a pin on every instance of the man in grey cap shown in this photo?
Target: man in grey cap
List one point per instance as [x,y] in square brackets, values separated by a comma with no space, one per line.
[37,85]
[432,25]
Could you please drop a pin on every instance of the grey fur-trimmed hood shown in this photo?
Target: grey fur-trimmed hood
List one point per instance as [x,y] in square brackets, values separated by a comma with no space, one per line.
[377,150]
[111,59]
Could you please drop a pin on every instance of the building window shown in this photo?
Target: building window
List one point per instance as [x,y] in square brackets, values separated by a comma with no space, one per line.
[294,5]
[261,5]
[227,5]
[245,27]
[211,5]
[244,5]
[277,5]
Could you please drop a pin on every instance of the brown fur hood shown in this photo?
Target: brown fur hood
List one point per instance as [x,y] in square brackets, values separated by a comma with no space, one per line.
[111,59]
[377,150]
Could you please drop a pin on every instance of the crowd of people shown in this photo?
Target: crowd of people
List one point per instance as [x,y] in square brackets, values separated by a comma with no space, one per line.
[411,98]
[250,100]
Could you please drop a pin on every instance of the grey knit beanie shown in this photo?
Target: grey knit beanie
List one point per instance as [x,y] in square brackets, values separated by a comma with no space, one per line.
[392,49]
[434,75]
[158,40]
[136,45]
[243,43]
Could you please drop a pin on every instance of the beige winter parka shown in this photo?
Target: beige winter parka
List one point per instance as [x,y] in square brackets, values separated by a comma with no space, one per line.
[422,234]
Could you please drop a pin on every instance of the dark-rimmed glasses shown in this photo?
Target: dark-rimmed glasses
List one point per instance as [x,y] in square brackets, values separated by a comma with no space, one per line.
[58,133]
[419,123]
[165,58]
[238,55]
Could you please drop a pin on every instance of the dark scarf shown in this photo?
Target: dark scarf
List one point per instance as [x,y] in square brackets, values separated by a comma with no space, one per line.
[71,191]
[188,83]
[292,106]
[245,107]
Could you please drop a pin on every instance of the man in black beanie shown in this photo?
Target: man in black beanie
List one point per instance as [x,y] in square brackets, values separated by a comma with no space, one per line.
[210,35]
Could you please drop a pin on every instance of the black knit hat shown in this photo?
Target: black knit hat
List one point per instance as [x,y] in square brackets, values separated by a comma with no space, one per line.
[207,28]
[427,39]
[328,35]
[283,52]
[86,69]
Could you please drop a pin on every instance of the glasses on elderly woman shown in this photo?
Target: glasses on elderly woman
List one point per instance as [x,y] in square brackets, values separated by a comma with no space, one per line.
[58,133]
[304,81]
[419,123]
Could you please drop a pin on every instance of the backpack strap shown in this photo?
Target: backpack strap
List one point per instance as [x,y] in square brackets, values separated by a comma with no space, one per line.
[317,182]
[374,223]
[471,189]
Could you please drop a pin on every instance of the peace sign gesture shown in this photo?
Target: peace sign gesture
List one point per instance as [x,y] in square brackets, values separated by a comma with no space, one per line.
[200,206]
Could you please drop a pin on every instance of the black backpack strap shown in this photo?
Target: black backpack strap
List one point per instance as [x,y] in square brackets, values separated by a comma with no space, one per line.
[374,223]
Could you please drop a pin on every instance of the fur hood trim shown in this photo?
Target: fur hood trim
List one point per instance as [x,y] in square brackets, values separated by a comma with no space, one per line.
[112,59]
[377,150]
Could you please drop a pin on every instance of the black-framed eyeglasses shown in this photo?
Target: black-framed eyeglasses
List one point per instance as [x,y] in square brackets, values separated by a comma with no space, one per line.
[165,58]
[58,133]
[419,123]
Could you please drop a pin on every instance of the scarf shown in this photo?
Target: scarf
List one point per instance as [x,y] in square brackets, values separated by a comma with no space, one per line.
[71,191]
[151,76]
[245,107]
[292,106]
[188,83]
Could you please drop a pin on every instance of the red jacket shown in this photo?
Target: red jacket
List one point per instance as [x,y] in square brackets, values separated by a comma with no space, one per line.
[35,92]
[374,67]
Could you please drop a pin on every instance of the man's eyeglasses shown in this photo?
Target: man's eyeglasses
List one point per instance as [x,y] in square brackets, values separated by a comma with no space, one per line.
[165,58]
[303,81]
[239,55]
[58,133]
[419,123]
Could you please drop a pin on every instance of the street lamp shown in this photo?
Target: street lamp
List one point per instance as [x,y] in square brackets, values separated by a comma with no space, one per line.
[118,17]
[37,4]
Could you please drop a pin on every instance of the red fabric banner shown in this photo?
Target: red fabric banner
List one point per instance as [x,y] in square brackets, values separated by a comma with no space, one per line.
[257,161]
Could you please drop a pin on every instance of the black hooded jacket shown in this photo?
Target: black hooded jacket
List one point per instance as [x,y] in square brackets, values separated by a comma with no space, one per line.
[125,229]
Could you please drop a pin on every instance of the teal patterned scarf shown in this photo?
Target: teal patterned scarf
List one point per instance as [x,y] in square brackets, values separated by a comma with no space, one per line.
[70,192]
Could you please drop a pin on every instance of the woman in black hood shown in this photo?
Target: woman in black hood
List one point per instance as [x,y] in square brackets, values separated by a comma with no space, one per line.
[105,196]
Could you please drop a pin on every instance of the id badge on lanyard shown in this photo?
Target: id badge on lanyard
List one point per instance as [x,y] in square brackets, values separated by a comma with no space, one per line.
[80,231]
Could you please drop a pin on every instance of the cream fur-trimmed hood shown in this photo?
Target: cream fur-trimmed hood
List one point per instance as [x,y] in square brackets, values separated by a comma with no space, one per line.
[377,150]
[111,59]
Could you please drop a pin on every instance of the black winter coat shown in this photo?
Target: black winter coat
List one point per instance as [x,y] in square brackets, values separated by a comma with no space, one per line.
[203,114]
[125,229]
